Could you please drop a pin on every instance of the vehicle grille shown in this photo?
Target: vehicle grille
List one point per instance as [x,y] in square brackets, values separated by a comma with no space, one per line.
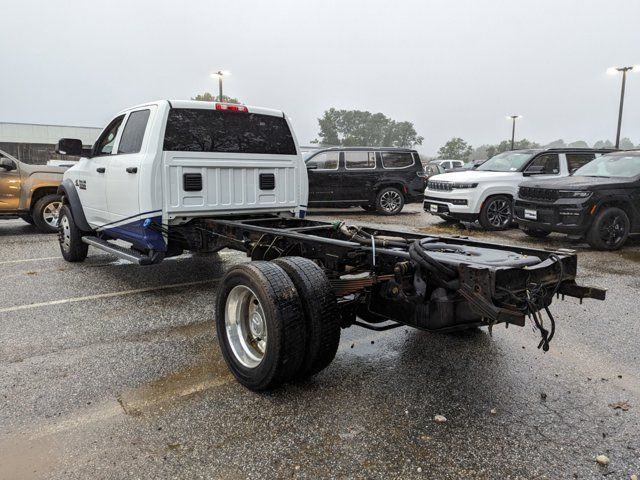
[439,186]
[546,194]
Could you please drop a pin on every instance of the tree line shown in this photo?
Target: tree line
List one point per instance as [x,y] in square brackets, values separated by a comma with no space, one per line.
[458,149]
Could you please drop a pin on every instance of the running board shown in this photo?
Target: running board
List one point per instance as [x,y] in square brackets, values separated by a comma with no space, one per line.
[121,252]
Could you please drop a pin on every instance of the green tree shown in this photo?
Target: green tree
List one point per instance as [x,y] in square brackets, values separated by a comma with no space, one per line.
[505,146]
[456,149]
[603,144]
[578,144]
[626,144]
[207,97]
[362,128]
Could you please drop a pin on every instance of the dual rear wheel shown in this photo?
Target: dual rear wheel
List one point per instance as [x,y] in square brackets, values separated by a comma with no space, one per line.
[276,321]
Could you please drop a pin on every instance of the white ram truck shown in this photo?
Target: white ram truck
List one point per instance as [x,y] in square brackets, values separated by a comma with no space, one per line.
[170,176]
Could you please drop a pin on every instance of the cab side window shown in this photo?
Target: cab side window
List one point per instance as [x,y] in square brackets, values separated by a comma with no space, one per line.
[548,164]
[325,161]
[104,144]
[133,132]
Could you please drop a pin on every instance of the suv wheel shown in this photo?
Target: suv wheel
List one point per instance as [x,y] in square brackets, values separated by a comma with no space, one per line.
[496,213]
[72,247]
[45,213]
[389,201]
[609,230]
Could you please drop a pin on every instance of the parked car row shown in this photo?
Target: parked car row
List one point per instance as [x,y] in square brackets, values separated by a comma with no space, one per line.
[586,193]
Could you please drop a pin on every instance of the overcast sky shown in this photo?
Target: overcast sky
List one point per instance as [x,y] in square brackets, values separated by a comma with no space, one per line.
[453,68]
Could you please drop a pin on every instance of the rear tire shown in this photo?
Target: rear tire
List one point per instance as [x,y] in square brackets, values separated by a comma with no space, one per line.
[389,201]
[496,213]
[609,230]
[46,213]
[72,247]
[535,232]
[320,313]
[260,327]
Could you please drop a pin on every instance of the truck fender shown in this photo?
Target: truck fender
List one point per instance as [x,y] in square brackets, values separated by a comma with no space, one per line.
[70,197]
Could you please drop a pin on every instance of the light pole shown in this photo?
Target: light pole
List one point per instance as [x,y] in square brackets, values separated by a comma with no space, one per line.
[614,71]
[219,74]
[513,127]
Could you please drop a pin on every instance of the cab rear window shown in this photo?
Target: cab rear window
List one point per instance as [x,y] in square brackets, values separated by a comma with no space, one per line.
[199,130]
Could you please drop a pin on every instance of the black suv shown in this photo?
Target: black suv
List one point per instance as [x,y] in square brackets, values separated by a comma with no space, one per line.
[599,202]
[376,179]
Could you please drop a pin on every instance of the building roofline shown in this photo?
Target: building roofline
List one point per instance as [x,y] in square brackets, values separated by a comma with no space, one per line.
[49,125]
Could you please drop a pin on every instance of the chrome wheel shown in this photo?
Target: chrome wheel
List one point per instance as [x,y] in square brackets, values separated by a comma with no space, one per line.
[391,201]
[499,213]
[612,231]
[64,235]
[246,326]
[51,214]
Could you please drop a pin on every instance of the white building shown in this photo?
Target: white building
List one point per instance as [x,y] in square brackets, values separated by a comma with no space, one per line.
[35,143]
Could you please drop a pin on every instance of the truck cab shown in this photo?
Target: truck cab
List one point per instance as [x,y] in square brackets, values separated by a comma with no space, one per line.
[163,164]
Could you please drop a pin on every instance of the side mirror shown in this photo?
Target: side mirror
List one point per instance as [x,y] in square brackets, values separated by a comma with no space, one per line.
[7,164]
[313,166]
[534,170]
[69,146]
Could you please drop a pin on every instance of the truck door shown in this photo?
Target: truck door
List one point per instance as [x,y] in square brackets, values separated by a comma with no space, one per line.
[9,186]
[324,178]
[124,167]
[90,179]
[360,177]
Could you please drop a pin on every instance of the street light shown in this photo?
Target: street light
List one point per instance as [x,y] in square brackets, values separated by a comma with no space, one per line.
[219,74]
[513,127]
[624,70]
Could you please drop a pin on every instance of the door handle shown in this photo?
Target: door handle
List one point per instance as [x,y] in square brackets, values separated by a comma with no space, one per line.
[132,169]
[100,170]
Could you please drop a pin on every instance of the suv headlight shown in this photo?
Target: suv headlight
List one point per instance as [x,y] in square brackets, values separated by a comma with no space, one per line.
[464,185]
[574,194]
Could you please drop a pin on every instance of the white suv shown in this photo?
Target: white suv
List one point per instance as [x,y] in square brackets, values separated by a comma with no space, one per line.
[486,193]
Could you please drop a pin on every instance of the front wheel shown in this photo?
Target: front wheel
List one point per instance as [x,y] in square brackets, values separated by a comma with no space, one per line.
[609,230]
[389,201]
[72,247]
[496,213]
[259,324]
[46,213]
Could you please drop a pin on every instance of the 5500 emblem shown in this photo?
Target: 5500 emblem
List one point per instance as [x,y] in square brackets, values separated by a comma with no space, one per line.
[81,184]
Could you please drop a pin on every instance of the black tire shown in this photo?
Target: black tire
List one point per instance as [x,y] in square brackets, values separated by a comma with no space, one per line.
[45,213]
[389,201]
[496,213]
[283,323]
[322,323]
[448,219]
[72,247]
[535,232]
[609,230]
[27,218]
[368,208]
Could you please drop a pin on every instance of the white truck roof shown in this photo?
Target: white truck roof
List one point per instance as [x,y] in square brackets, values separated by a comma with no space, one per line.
[206,105]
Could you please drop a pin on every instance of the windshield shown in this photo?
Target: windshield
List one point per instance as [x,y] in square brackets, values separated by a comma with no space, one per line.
[506,162]
[624,166]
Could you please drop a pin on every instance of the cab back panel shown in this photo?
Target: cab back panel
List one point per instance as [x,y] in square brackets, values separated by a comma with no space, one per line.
[231,183]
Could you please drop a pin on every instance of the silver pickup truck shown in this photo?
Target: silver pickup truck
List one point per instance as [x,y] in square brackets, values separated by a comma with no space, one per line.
[29,192]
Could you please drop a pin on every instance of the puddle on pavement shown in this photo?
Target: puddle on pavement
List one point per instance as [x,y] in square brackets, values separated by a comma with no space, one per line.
[163,392]
[630,255]
[27,458]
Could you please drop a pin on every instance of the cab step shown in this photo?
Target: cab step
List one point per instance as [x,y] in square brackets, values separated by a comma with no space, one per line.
[121,252]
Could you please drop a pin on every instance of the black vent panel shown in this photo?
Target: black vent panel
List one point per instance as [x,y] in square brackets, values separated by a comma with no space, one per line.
[267,181]
[192,182]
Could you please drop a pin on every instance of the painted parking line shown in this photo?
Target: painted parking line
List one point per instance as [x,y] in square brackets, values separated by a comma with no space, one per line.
[105,295]
[22,260]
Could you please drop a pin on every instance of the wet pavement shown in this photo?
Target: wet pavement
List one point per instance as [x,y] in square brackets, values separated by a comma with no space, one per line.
[110,370]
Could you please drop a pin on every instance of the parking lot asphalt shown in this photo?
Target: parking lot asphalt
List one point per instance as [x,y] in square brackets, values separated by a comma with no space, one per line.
[111,370]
